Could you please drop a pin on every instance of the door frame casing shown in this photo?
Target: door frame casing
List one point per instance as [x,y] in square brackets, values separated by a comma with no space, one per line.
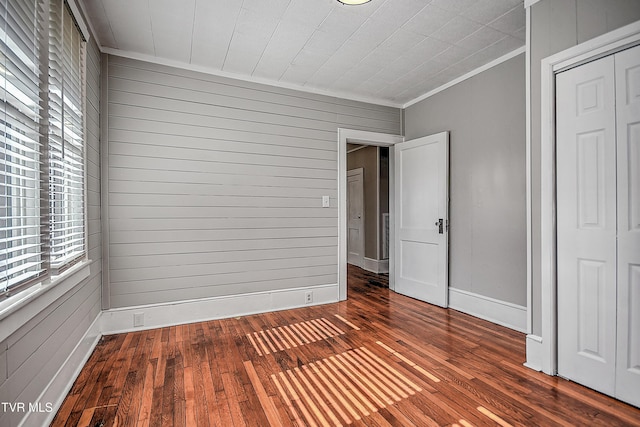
[366,138]
[590,50]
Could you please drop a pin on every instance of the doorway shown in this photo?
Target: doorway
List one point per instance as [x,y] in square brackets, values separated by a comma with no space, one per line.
[362,138]
[418,213]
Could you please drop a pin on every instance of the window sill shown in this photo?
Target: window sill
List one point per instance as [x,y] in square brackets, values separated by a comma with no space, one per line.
[19,309]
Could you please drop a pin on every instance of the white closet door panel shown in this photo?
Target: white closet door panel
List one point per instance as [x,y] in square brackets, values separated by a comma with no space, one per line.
[586,203]
[628,124]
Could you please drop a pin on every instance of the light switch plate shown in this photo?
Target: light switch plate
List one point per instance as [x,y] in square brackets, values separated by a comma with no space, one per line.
[325,201]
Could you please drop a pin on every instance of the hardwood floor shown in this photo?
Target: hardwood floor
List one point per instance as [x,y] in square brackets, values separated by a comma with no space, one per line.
[378,359]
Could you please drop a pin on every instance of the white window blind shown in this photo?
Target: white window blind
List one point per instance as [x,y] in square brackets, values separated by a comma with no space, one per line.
[42,214]
[66,140]
[21,258]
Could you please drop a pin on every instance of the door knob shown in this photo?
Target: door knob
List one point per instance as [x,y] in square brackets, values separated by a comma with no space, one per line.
[440,225]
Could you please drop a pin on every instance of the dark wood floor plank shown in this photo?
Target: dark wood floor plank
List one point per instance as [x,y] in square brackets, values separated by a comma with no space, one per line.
[65,411]
[179,405]
[144,414]
[221,408]
[198,379]
[384,360]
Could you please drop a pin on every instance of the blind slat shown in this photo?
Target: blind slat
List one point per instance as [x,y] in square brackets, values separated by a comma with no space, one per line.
[15,281]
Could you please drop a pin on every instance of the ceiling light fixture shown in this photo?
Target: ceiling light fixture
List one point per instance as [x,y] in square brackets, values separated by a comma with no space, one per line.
[353,2]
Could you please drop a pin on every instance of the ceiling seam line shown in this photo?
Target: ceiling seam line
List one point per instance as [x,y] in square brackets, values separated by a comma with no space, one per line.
[193,27]
[235,25]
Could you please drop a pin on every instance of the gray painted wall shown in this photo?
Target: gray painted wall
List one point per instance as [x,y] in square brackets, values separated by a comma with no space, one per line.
[31,356]
[557,25]
[486,117]
[215,184]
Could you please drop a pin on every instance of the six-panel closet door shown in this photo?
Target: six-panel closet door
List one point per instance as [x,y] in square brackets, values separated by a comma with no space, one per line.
[598,224]
[627,66]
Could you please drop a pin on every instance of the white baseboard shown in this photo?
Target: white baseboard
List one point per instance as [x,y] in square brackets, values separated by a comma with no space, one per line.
[169,314]
[503,313]
[376,266]
[56,391]
[534,352]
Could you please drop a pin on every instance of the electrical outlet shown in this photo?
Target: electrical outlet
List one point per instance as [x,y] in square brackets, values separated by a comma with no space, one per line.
[308,297]
[138,319]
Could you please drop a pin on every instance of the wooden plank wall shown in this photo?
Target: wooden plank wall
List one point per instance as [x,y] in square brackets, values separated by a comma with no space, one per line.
[31,356]
[215,184]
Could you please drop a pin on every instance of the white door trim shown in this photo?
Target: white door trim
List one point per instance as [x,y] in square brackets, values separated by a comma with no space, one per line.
[590,50]
[528,167]
[366,138]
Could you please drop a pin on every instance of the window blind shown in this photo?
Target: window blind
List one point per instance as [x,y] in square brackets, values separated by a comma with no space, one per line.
[21,32]
[42,225]
[66,139]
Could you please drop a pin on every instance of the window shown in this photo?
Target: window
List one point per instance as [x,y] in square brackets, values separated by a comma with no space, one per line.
[21,259]
[66,142]
[42,225]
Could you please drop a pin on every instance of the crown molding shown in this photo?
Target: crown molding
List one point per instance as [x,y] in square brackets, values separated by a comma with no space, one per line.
[464,77]
[250,79]
[315,91]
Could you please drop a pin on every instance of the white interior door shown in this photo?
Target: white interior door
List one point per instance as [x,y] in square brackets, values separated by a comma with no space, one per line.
[421,210]
[586,221]
[355,217]
[627,66]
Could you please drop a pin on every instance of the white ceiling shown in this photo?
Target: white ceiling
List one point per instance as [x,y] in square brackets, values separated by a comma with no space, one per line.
[387,51]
